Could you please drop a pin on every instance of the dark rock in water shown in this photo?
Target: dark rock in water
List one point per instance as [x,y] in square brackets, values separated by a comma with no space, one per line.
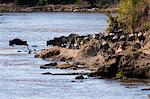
[18,51]
[34,46]
[130,87]
[93,74]
[30,51]
[73,81]
[80,77]
[47,73]
[17,42]
[54,64]
[48,66]
[45,67]
[145,89]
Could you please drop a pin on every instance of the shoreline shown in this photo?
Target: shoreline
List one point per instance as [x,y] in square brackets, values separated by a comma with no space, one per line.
[8,8]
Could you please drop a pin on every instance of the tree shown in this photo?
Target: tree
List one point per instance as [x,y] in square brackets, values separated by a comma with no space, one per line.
[91,2]
[6,1]
[132,16]
[42,2]
[27,2]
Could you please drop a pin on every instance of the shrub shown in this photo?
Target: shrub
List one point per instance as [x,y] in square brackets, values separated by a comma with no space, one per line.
[132,16]
[120,75]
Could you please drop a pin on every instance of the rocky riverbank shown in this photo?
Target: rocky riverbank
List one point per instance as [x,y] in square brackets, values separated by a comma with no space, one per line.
[118,55]
[54,8]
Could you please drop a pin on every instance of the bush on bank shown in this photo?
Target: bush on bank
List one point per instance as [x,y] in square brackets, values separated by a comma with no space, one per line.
[133,17]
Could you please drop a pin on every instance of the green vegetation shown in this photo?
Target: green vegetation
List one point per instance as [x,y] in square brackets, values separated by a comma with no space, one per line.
[38,2]
[89,3]
[120,75]
[133,16]
[101,3]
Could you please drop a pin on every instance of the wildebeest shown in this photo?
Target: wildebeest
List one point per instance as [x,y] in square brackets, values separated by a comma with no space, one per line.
[72,40]
[141,37]
[120,31]
[115,38]
[131,37]
[105,46]
[106,36]
[97,36]
[111,35]
[58,41]
[17,41]
[123,38]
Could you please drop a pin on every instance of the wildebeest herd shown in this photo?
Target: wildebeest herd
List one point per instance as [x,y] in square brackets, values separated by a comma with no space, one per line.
[74,41]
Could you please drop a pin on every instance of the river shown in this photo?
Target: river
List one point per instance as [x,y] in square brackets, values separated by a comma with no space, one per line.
[20,75]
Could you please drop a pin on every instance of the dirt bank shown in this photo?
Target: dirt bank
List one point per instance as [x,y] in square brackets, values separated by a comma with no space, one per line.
[74,56]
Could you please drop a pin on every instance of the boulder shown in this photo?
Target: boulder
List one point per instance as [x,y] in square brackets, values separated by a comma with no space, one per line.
[131,63]
[135,65]
[110,67]
[145,89]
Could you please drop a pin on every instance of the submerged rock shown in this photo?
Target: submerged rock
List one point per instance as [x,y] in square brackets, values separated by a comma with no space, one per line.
[67,66]
[47,73]
[145,89]
[80,77]
[48,66]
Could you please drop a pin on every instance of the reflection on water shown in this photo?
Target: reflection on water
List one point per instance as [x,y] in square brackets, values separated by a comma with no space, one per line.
[20,76]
